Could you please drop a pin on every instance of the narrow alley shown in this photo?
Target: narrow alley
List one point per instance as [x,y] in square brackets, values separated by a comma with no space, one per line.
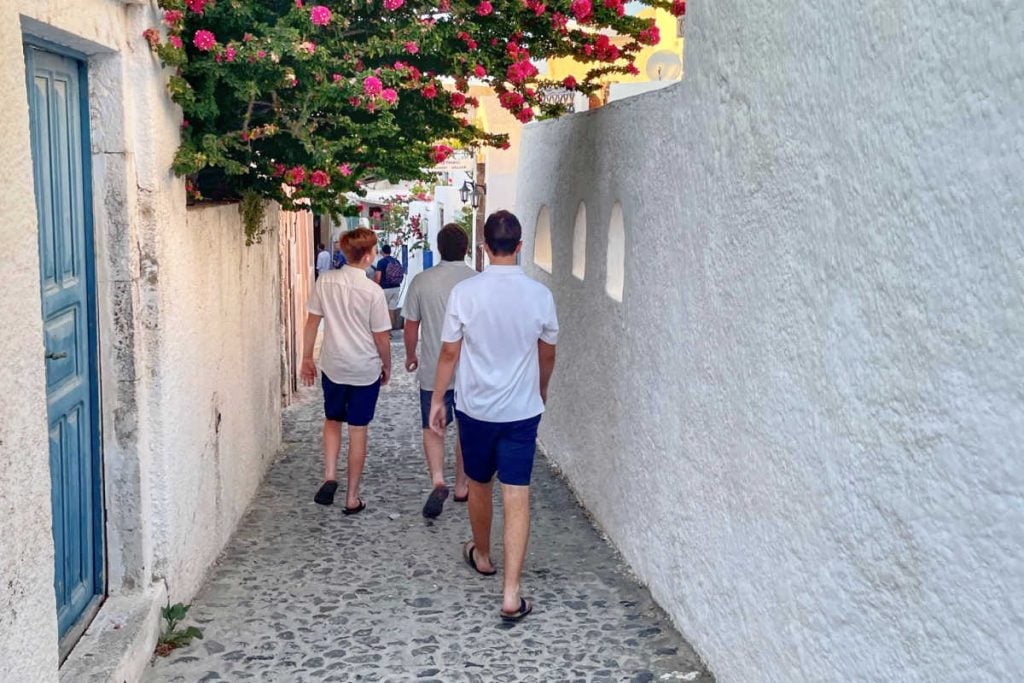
[304,593]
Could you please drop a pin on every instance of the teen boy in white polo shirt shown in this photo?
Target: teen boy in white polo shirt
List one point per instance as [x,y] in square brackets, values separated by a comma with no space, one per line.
[500,329]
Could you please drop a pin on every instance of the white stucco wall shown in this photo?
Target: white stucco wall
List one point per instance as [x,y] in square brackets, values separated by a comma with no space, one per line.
[804,424]
[189,326]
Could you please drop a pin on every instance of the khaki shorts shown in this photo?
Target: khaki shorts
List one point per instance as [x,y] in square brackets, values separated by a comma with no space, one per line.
[391,294]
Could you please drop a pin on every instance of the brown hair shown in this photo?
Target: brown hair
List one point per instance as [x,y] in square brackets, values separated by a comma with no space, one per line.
[502,232]
[355,244]
[452,242]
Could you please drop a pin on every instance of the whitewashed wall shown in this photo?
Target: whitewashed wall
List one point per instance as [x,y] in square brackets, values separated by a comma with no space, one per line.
[189,323]
[804,424]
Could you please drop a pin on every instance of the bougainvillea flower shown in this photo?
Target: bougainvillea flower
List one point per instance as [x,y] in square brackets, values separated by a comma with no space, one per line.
[345,170]
[678,8]
[196,5]
[484,8]
[570,82]
[582,9]
[650,35]
[429,91]
[320,15]
[372,85]
[458,100]
[479,71]
[204,40]
[295,175]
[411,47]
[152,36]
[320,178]
[173,16]
[392,5]
[441,152]
[389,95]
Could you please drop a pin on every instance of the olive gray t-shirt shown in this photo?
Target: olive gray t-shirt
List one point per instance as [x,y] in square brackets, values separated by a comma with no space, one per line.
[425,301]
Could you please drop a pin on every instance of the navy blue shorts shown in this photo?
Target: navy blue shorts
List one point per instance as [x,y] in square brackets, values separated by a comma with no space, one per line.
[505,448]
[449,406]
[348,403]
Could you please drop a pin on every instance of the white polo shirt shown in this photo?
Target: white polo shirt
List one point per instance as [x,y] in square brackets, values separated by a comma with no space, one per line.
[353,308]
[499,315]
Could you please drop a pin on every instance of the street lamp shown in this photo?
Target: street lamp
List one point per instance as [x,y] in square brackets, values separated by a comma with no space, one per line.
[471,192]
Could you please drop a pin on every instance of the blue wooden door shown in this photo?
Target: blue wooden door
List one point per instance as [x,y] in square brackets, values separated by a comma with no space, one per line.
[58,114]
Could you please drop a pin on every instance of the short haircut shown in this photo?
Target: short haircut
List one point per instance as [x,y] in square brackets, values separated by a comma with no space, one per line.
[355,244]
[502,232]
[452,242]
[321,245]
[386,249]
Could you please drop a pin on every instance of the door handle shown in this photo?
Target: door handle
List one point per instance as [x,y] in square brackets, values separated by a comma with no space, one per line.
[57,355]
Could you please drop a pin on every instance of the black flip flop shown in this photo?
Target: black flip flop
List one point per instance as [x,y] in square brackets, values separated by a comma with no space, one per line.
[467,555]
[325,496]
[356,510]
[524,609]
[435,502]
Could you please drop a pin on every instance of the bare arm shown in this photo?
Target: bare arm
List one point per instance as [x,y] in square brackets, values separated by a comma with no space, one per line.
[376,276]
[308,370]
[412,337]
[382,340]
[546,356]
[446,363]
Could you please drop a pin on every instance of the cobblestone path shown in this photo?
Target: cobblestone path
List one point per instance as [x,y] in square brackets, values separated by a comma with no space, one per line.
[304,593]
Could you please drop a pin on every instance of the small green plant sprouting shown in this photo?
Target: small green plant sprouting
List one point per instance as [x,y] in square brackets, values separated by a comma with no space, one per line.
[173,637]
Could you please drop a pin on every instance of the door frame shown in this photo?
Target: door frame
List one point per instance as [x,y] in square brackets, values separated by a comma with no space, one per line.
[74,633]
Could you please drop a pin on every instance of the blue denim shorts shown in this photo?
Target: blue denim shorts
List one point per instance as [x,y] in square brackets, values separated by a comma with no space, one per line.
[348,403]
[505,448]
[449,406]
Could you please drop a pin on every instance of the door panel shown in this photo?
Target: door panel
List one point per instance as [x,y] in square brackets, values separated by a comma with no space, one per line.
[56,89]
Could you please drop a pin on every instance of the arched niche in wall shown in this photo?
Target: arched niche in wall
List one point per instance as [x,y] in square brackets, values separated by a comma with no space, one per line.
[579,243]
[615,274]
[542,240]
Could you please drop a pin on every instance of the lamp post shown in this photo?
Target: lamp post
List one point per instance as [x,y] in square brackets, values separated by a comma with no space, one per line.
[471,192]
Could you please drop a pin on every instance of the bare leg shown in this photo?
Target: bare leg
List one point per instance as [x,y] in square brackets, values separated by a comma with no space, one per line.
[461,480]
[356,460]
[480,513]
[516,506]
[332,445]
[433,447]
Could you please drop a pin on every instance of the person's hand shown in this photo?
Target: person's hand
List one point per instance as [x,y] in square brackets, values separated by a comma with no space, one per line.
[544,396]
[437,418]
[308,372]
[385,375]
[411,363]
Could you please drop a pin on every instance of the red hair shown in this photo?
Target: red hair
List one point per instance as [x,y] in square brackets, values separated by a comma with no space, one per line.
[356,244]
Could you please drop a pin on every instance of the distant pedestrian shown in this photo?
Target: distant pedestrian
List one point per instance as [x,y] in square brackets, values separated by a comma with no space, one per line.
[323,261]
[424,315]
[355,359]
[338,259]
[389,276]
[500,329]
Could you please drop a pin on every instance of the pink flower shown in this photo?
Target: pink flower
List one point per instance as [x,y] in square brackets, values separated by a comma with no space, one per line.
[582,9]
[479,71]
[525,115]
[295,175]
[176,42]
[320,15]
[261,54]
[631,69]
[307,47]
[458,100]
[484,8]
[320,178]
[335,77]
[229,53]
[392,5]
[278,170]
[345,170]
[560,22]
[429,91]
[522,70]
[204,40]
[298,3]
[569,82]
[247,38]
[412,48]
[441,152]
[678,8]
[196,5]
[372,85]
[511,100]
[650,35]
[389,95]
[172,17]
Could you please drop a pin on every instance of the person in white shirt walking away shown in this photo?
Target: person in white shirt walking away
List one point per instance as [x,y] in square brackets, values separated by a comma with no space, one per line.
[424,313]
[323,261]
[500,330]
[355,358]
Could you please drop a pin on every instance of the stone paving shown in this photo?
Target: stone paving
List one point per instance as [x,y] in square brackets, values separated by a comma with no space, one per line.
[304,593]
